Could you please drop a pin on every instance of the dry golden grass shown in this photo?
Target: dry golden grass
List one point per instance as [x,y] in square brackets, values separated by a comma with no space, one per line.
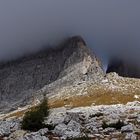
[17,114]
[94,96]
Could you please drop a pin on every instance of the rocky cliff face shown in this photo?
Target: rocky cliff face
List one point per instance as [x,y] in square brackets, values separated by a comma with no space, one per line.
[71,63]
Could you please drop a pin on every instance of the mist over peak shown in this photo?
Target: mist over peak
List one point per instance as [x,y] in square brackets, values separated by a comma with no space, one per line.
[123,68]
[110,28]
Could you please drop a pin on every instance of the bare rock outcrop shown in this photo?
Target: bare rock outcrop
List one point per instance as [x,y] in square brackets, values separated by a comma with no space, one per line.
[96,122]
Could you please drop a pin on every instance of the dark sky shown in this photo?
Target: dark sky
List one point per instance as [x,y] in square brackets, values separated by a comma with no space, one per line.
[110,27]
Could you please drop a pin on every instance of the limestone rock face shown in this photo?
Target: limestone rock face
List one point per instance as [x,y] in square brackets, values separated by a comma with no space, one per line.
[72,62]
[82,63]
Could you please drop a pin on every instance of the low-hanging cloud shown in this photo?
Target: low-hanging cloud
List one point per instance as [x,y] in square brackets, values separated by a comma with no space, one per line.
[111,28]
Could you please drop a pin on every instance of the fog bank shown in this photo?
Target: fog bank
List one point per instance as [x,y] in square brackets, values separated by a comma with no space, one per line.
[111,28]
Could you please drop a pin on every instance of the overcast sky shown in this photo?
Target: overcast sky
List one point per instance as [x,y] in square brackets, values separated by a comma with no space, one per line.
[110,27]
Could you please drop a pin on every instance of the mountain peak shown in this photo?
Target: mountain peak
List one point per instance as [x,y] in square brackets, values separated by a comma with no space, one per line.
[76,41]
[80,57]
[72,62]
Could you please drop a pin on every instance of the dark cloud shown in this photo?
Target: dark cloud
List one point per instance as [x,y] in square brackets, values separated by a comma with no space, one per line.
[111,28]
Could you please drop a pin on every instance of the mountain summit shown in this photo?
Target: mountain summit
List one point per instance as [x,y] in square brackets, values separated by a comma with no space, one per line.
[67,64]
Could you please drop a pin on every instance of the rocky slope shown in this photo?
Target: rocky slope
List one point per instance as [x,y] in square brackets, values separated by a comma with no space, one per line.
[111,89]
[81,122]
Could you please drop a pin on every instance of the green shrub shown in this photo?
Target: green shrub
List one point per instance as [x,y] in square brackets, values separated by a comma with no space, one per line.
[116,125]
[33,119]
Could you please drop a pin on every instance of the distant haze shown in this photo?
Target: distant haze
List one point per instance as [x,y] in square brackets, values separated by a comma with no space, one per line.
[111,28]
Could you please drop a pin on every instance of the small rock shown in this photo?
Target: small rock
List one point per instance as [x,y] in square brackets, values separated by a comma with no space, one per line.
[17,135]
[127,128]
[138,118]
[99,136]
[137,132]
[74,126]
[5,138]
[91,136]
[60,129]
[43,131]
[55,138]
[114,139]
[135,103]
[67,119]
[132,116]
[34,136]
[130,136]
[71,130]
[109,130]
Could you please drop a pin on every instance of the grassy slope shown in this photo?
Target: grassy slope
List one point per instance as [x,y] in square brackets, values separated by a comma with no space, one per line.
[95,96]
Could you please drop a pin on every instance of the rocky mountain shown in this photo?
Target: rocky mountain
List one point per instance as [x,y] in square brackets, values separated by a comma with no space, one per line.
[66,74]
[83,99]
[70,63]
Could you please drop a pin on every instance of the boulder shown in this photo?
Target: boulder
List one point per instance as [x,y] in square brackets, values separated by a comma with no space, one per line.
[127,128]
[130,136]
[17,135]
[34,136]
[71,130]
[8,126]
